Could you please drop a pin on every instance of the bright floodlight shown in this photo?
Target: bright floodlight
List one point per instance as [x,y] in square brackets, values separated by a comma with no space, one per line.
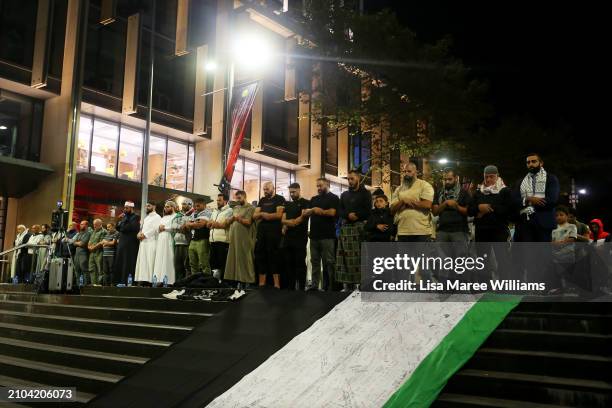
[251,51]
[2,127]
[443,161]
[582,191]
[210,66]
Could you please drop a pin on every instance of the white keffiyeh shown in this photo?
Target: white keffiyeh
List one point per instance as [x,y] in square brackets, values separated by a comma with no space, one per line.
[531,189]
[494,189]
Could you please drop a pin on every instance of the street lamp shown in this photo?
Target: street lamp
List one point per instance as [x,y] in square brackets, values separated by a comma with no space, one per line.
[443,161]
[582,191]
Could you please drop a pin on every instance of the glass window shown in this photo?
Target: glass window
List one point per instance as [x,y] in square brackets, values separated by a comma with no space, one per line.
[282,183]
[176,168]
[331,147]
[267,174]
[17,29]
[190,168]
[157,160]
[85,126]
[238,174]
[130,154]
[335,188]
[104,148]
[251,180]
[20,126]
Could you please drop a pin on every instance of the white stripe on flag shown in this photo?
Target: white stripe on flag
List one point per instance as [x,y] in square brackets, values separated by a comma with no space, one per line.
[357,355]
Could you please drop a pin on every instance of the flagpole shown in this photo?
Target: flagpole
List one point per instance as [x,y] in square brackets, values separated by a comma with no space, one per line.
[144,196]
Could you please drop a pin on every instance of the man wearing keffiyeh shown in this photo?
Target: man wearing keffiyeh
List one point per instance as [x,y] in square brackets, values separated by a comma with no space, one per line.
[536,197]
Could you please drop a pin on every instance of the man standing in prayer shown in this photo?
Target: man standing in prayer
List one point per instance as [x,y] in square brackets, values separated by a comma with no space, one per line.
[411,205]
[21,255]
[219,225]
[323,212]
[295,231]
[81,255]
[95,252]
[148,242]
[199,247]
[240,266]
[164,250]
[269,212]
[109,245]
[181,239]
[127,246]
[355,207]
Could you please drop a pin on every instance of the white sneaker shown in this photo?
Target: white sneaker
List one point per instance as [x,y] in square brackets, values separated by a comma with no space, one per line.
[174,294]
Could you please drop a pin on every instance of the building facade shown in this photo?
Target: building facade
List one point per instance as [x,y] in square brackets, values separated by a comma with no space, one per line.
[74,84]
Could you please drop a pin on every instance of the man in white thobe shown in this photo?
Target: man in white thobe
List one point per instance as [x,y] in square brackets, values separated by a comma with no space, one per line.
[164,252]
[146,251]
[22,232]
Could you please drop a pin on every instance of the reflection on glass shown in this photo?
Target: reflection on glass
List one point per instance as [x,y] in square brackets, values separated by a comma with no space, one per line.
[282,183]
[267,174]
[190,168]
[176,166]
[130,154]
[85,126]
[238,173]
[104,148]
[335,188]
[157,156]
[251,180]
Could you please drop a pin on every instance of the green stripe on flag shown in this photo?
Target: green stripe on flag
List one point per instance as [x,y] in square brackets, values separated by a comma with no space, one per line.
[423,386]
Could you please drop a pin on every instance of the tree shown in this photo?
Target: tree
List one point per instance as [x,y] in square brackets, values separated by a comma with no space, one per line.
[374,73]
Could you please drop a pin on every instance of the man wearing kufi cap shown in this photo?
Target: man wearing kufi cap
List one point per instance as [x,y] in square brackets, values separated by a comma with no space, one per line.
[148,243]
[128,225]
[181,239]
[164,249]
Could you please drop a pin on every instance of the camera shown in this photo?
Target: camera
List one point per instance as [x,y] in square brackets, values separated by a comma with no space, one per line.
[59,218]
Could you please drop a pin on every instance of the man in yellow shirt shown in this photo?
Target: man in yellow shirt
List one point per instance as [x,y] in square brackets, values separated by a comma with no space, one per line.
[411,205]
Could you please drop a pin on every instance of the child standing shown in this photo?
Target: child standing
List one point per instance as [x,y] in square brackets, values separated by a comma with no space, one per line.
[563,238]
[380,226]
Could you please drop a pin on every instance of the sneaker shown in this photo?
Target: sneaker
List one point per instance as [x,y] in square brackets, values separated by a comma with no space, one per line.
[174,294]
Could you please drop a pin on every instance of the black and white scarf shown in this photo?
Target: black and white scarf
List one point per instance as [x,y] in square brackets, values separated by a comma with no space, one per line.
[533,185]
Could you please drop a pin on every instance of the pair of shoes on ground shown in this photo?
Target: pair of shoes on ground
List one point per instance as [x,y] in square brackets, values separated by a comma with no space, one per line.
[174,294]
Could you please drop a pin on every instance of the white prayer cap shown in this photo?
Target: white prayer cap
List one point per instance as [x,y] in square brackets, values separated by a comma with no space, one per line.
[171,204]
[129,204]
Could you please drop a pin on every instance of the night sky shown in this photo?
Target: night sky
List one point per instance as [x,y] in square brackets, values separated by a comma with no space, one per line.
[542,60]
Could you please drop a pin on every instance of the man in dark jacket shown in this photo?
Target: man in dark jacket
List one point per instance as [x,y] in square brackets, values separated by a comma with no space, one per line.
[491,206]
[380,226]
[127,248]
[536,197]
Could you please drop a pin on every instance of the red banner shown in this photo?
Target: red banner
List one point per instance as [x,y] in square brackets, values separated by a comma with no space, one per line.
[242,103]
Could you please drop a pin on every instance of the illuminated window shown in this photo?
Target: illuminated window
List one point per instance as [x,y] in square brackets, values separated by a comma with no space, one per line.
[283,180]
[176,166]
[104,148]
[251,180]
[130,154]
[85,126]
[190,168]
[238,174]
[157,161]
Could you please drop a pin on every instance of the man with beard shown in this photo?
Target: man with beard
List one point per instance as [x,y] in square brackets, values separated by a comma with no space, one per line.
[181,239]
[127,245]
[81,255]
[536,196]
[145,262]
[240,267]
[322,212]
[164,250]
[219,235]
[295,232]
[355,207]
[451,206]
[269,212]
[95,244]
[411,205]
[22,259]
[199,247]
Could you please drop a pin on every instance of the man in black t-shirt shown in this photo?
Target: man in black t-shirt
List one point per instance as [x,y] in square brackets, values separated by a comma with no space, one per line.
[295,231]
[451,207]
[323,213]
[269,212]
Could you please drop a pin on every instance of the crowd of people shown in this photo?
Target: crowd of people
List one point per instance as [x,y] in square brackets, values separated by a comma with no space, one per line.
[275,241]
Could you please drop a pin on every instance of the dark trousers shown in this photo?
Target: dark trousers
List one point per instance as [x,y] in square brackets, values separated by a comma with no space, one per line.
[181,261]
[24,264]
[267,251]
[530,231]
[323,252]
[218,256]
[295,264]
[108,263]
[535,266]
[500,250]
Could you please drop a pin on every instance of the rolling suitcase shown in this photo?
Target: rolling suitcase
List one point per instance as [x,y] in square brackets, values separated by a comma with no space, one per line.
[60,275]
